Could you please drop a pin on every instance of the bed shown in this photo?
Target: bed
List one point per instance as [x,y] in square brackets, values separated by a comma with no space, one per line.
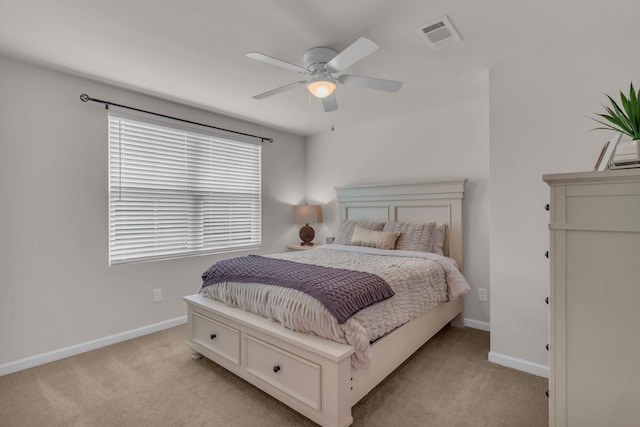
[317,376]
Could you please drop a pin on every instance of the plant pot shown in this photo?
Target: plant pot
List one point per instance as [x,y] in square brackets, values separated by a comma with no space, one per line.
[626,154]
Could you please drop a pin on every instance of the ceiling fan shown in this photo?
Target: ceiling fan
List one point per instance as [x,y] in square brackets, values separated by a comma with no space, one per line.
[320,63]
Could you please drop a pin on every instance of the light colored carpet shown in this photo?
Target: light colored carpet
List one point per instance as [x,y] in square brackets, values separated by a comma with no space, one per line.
[153,381]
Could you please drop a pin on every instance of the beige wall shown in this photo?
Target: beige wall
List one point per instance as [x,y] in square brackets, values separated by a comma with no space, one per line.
[56,289]
[539,107]
[447,142]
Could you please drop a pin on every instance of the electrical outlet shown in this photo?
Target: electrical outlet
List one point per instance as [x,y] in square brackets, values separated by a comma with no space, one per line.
[483,295]
[157,295]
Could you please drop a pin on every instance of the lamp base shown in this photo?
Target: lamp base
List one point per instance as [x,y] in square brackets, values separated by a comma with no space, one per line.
[306,235]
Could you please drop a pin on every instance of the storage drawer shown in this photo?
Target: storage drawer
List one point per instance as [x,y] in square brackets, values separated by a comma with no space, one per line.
[217,337]
[294,375]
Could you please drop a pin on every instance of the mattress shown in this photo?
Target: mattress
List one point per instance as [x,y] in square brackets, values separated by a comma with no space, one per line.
[420,281]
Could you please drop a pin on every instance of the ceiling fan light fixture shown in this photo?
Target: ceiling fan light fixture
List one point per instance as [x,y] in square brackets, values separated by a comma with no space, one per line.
[321,87]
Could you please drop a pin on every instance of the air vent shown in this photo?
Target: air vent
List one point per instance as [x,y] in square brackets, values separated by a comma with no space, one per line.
[439,34]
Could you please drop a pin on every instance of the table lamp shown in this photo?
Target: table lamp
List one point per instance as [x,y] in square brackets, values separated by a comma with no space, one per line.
[306,214]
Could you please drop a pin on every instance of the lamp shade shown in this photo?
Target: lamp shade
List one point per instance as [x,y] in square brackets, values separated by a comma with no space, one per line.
[321,88]
[307,214]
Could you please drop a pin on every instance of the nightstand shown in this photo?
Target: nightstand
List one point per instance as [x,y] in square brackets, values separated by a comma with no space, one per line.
[299,247]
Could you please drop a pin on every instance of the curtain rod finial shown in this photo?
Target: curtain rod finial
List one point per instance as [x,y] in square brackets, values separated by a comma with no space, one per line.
[84,97]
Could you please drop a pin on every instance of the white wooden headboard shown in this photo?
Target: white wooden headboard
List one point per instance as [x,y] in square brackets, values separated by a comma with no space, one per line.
[422,202]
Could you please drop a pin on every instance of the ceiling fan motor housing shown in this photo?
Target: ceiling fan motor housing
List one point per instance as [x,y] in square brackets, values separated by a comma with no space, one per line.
[315,59]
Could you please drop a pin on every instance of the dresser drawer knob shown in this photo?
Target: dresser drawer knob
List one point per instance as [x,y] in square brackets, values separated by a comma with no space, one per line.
[547,207]
[547,346]
[276,368]
[546,300]
[546,254]
[213,336]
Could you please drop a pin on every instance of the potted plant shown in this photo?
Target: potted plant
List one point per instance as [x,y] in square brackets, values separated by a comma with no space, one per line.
[626,119]
[623,118]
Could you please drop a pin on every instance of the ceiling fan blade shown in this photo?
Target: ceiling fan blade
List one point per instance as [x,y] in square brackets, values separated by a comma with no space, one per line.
[352,54]
[370,82]
[279,89]
[277,62]
[330,103]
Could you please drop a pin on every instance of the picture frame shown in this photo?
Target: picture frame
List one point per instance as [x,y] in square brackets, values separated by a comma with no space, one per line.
[601,156]
[607,152]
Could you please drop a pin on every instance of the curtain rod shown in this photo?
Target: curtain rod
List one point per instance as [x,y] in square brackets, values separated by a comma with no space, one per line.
[85,98]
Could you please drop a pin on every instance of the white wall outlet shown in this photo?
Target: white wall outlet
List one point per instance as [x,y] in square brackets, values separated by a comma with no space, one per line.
[483,295]
[157,295]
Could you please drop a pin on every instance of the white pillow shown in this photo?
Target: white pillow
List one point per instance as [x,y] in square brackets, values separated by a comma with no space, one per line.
[345,230]
[374,239]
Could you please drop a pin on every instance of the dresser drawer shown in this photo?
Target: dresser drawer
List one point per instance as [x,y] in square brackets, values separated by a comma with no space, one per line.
[294,375]
[217,337]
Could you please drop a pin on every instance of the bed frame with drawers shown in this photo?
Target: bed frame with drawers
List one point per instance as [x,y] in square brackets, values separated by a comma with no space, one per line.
[313,375]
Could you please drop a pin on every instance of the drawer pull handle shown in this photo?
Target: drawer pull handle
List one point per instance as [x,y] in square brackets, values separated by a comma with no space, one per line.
[547,207]
[547,393]
[546,300]
[546,254]
[213,336]
[276,368]
[547,347]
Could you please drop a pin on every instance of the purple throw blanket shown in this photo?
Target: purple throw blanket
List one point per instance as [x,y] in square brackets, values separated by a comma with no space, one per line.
[343,292]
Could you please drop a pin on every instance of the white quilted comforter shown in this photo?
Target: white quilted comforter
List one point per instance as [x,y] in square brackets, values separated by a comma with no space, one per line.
[420,281]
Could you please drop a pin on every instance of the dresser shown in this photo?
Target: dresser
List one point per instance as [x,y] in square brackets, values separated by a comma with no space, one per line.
[594,299]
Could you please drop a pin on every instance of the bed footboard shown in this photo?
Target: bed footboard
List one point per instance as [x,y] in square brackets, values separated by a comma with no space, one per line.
[309,374]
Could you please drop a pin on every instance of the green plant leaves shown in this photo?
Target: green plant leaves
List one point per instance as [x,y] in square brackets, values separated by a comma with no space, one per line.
[634,114]
[625,117]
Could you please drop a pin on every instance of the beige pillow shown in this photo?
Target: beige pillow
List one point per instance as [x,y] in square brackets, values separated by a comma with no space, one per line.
[374,239]
[414,237]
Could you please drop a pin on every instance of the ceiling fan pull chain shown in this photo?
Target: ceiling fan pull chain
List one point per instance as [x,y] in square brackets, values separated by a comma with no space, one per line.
[332,128]
[309,114]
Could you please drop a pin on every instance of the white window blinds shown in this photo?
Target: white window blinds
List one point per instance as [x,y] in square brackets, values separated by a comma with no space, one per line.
[175,192]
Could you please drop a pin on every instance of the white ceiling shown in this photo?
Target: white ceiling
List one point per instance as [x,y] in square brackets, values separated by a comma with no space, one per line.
[192,51]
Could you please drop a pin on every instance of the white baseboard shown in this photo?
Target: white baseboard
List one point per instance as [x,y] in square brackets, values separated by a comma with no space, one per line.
[476,324]
[519,364]
[51,356]
[41,359]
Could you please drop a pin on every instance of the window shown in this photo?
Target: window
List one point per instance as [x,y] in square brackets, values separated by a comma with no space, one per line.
[176,191]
